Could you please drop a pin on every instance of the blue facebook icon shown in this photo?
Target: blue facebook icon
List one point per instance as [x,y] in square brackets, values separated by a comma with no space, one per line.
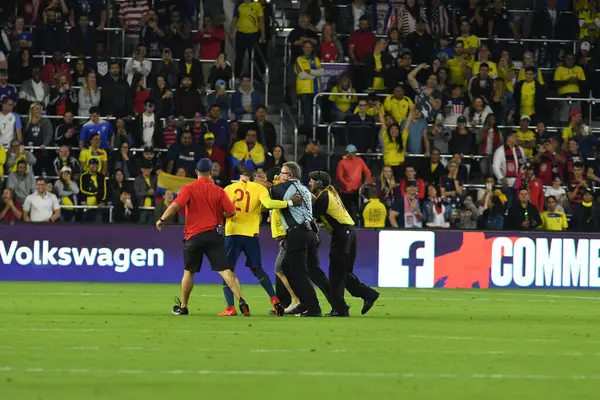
[413,262]
[406,259]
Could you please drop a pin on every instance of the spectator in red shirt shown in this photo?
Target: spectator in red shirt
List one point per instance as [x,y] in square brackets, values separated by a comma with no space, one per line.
[331,48]
[411,176]
[206,207]
[527,180]
[10,209]
[577,186]
[361,42]
[351,173]
[211,41]
[139,93]
[55,67]
[210,151]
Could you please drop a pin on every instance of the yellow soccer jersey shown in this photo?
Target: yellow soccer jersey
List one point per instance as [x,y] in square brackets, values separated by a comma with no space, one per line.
[248,198]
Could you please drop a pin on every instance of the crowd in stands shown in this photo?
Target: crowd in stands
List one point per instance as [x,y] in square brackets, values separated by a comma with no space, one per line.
[447,125]
[82,128]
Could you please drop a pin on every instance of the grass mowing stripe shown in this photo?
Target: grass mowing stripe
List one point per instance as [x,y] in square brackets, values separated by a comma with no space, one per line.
[323,374]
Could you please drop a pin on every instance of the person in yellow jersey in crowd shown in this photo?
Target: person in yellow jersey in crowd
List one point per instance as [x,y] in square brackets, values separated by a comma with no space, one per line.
[568,78]
[329,209]
[308,79]
[471,42]
[460,65]
[374,213]
[94,152]
[552,219]
[397,104]
[241,234]
[530,96]
[375,64]
[588,17]
[484,58]
[572,129]
[528,62]
[526,137]
[342,104]
[248,29]
[393,141]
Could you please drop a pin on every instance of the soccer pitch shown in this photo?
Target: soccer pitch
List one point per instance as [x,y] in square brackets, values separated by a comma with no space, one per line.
[120,341]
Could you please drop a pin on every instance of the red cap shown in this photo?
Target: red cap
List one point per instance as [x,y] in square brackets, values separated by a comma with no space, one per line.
[574,112]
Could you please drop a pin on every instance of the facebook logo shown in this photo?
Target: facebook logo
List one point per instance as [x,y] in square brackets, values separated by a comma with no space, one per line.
[406,259]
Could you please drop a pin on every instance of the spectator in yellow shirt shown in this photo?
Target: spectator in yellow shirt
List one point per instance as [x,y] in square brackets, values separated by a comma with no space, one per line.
[398,104]
[94,151]
[342,105]
[572,129]
[588,18]
[374,213]
[568,79]
[459,66]
[393,141]
[484,58]
[528,62]
[552,219]
[471,42]
[308,80]
[525,136]
[247,28]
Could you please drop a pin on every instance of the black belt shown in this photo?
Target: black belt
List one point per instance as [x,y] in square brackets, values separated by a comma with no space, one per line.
[305,225]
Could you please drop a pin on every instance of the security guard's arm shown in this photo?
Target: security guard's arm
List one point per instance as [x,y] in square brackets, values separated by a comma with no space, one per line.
[268,202]
[320,205]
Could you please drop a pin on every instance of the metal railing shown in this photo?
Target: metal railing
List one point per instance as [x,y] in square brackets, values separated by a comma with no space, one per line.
[283,112]
[254,64]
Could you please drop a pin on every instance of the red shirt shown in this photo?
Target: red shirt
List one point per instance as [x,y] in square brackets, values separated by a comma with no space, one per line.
[139,102]
[9,217]
[364,43]
[211,43]
[216,155]
[49,73]
[204,204]
[536,191]
[328,52]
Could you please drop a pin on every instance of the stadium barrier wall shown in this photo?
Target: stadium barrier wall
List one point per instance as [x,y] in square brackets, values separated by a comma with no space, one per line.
[121,253]
[455,259]
[415,258]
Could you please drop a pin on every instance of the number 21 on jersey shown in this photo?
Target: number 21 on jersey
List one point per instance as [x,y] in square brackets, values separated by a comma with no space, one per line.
[240,196]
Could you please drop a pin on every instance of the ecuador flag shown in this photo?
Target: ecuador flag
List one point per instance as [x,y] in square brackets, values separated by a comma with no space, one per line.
[175,183]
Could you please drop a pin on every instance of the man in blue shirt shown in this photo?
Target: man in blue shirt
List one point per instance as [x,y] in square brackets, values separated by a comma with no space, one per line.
[417,126]
[103,128]
[96,9]
[7,89]
[218,126]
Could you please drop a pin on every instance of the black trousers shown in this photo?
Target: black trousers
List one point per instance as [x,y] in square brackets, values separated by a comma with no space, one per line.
[244,42]
[350,201]
[341,269]
[295,268]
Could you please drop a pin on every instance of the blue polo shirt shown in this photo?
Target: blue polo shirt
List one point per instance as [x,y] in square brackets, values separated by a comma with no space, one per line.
[103,128]
[221,130]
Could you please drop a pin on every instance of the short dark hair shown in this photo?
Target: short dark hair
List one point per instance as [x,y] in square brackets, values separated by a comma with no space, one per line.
[249,172]
[524,189]
[263,107]
[364,18]
[214,106]
[21,162]
[243,76]
[551,197]
[484,65]
[94,110]
[40,178]
[93,136]
[577,165]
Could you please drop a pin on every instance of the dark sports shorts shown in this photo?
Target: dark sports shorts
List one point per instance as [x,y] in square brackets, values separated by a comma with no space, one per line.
[237,244]
[205,243]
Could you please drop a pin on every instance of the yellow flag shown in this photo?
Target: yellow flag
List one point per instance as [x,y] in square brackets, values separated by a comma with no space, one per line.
[173,182]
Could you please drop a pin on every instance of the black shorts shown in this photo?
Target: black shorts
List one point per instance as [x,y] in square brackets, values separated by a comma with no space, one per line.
[205,243]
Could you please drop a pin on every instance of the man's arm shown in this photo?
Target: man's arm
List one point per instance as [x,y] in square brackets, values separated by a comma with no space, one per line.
[320,205]
[392,217]
[170,211]
[412,76]
[269,203]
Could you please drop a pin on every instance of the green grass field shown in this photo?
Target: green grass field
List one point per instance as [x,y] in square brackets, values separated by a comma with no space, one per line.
[117,341]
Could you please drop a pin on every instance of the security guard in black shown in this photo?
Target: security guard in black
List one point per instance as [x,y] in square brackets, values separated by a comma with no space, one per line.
[329,209]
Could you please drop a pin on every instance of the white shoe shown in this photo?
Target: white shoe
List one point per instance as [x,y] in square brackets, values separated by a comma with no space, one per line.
[291,307]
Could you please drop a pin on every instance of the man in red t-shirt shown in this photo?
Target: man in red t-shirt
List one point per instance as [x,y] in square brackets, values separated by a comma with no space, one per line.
[527,180]
[206,206]
[361,41]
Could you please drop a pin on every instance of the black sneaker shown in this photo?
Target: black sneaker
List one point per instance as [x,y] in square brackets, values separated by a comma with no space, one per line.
[310,314]
[244,309]
[369,304]
[298,310]
[335,313]
[178,310]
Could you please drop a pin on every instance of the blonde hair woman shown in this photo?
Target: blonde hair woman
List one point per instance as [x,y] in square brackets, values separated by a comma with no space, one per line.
[89,94]
[38,132]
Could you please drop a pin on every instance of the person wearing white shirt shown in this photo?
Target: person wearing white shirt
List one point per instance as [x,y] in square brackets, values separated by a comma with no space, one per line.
[138,64]
[10,123]
[507,160]
[41,206]
[34,90]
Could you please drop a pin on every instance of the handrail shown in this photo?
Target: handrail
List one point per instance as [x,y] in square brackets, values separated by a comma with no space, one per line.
[285,110]
[265,75]
[121,58]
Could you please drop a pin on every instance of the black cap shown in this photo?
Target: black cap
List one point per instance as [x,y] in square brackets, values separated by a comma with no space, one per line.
[93,161]
[314,141]
[204,165]
[148,149]
[321,176]
[461,119]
